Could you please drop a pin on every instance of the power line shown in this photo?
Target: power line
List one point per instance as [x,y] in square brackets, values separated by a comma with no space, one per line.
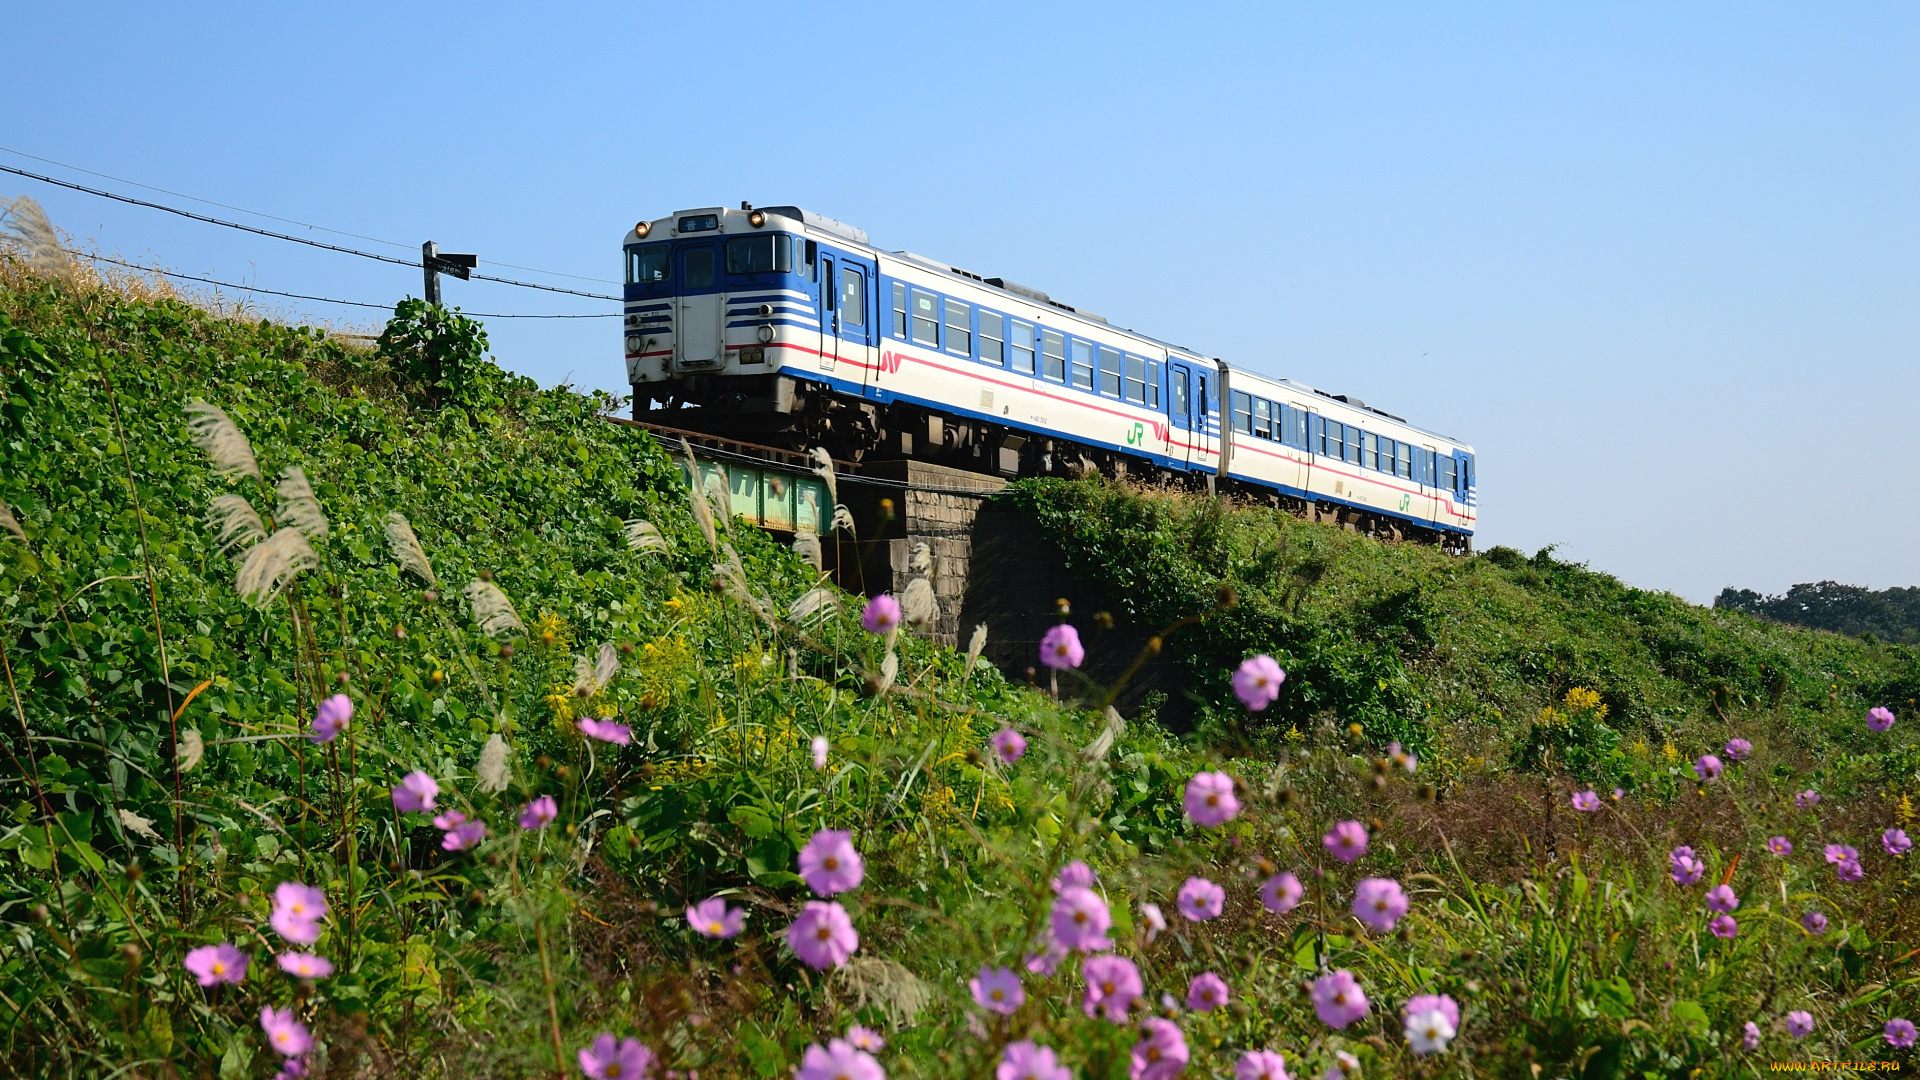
[283,236]
[320,299]
[274,217]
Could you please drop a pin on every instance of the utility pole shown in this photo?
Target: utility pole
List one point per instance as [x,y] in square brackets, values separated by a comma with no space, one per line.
[433,263]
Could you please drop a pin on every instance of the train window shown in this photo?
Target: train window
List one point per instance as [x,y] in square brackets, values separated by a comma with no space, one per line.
[1370,450]
[926,318]
[1180,395]
[993,349]
[1022,342]
[1406,462]
[1262,418]
[696,268]
[809,252]
[1242,412]
[1200,406]
[1336,440]
[759,255]
[1153,384]
[1053,350]
[1136,380]
[1385,461]
[1299,429]
[1110,372]
[959,328]
[1449,478]
[647,264]
[899,308]
[853,297]
[1353,446]
[1083,364]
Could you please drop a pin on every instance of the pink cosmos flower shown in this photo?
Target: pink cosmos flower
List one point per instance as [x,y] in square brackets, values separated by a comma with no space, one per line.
[1750,1036]
[1281,893]
[1402,758]
[1723,926]
[1799,1023]
[1900,1033]
[416,793]
[1260,1065]
[539,813]
[1113,983]
[865,1038]
[1721,898]
[1815,923]
[1379,903]
[461,832]
[1047,960]
[1081,919]
[1009,744]
[820,748]
[713,918]
[1441,1003]
[610,1059]
[1155,922]
[1686,869]
[1738,749]
[823,935]
[297,911]
[1839,853]
[288,1036]
[1161,1052]
[1344,1065]
[1074,875]
[998,990]
[1895,841]
[1879,718]
[1060,648]
[882,615]
[1209,799]
[291,1069]
[841,1060]
[1807,799]
[1850,870]
[1707,768]
[212,965]
[1257,682]
[607,731]
[1027,1060]
[330,719]
[830,864]
[1338,999]
[1206,992]
[1428,1032]
[305,965]
[1347,841]
[1780,845]
[1586,801]
[1201,899]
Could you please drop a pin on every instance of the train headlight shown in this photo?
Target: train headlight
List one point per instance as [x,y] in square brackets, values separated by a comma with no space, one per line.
[765,334]
[641,230]
[757,218]
[765,310]
[635,344]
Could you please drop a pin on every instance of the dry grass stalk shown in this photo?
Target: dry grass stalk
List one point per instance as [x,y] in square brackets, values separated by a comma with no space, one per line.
[271,565]
[29,231]
[918,605]
[237,522]
[298,507]
[813,603]
[494,769]
[806,544]
[643,536]
[407,550]
[215,433]
[492,611]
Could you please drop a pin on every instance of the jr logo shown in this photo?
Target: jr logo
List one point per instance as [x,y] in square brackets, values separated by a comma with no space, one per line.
[1406,501]
[1137,435]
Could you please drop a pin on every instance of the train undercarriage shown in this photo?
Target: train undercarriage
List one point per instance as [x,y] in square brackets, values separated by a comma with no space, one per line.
[794,414]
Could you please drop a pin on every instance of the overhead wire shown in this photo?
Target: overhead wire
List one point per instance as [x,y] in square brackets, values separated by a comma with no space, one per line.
[320,299]
[284,236]
[275,217]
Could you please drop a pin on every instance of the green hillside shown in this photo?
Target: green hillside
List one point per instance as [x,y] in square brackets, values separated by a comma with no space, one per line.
[162,788]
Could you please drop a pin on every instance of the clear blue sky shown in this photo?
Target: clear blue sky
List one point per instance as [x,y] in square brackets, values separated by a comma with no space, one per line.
[1658,262]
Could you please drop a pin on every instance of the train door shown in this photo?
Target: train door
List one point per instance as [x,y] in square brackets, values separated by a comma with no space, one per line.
[1180,401]
[829,331]
[1429,481]
[698,307]
[852,313]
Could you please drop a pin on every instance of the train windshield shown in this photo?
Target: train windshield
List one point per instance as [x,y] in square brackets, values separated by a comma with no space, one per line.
[760,255]
[647,264]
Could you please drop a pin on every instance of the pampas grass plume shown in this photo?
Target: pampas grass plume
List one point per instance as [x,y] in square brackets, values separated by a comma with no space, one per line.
[11,523]
[492,611]
[215,433]
[642,536]
[270,566]
[29,228]
[406,548]
[298,507]
[238,523]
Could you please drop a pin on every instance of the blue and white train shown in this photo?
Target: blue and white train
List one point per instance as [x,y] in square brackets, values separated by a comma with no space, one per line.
[781,325]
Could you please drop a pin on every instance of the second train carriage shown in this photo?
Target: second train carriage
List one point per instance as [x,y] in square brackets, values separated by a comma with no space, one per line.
[779,324]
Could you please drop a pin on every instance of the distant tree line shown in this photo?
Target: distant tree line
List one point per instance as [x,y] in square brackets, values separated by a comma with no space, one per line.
[1889,614]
